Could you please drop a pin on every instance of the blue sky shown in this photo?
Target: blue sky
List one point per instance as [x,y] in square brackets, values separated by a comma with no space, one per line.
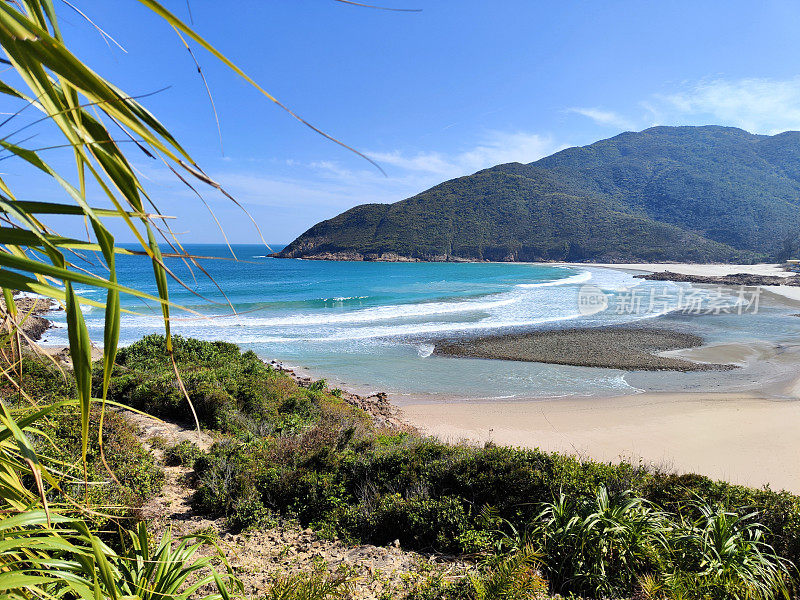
[460,86]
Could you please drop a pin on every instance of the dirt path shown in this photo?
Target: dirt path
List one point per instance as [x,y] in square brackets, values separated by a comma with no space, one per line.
[174,503]
[260,556]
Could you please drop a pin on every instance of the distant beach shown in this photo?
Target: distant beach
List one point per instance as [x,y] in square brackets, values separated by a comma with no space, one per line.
[741,436]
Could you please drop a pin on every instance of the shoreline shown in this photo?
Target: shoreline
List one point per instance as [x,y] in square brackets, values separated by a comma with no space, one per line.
[739,436]
[382,411]
[31,316]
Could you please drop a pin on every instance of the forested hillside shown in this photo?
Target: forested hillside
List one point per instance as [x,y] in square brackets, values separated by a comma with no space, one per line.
[667,193]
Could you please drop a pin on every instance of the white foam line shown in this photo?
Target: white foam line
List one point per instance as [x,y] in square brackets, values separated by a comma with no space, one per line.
[366,315]
[415,330]
[582,277]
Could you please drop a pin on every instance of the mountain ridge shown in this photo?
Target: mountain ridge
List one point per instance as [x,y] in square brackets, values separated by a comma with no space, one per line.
[693,194]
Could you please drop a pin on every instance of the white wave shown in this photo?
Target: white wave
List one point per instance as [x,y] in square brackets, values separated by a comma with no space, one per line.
[20,295]
[425,350]
[412,330]
[343,298]
[366,315]
[581,277]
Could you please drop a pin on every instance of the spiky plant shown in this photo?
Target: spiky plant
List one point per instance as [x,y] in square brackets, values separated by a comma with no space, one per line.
[513,576]
[44,552]
[598,546]
[170,570]
[722,554]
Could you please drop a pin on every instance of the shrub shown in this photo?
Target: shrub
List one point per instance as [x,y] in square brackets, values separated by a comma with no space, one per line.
[722,555]
[248,512]
[137,476]
[230,390]
[598,547]
[41,380]
[309,586]
[183,454]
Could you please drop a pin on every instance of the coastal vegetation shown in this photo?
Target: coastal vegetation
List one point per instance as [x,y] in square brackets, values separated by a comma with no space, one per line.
[74,473]
[690,194]
[531,521]
[57,511]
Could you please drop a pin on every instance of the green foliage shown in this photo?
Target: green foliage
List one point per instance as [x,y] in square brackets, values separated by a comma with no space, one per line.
[602,536]
[154,570]
[183,454]
[598,546]
[511,577]
[722,555]
[45,553]
[248,512]
[41,380]
[136,478]
[230,390]
[309,586]
[697,194]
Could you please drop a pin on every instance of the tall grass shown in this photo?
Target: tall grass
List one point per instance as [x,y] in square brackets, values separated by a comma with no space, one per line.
[615,545]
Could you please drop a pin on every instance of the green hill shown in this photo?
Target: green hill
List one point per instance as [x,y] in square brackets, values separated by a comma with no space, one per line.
[667,193]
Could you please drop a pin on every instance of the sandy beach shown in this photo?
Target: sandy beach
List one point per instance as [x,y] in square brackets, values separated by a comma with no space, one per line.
[741,438]
[713,270]
[746,437]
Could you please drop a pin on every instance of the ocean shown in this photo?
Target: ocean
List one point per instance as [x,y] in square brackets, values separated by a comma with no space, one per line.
[371,326]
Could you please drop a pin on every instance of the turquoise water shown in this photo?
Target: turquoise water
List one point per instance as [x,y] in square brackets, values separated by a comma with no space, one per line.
[371,326]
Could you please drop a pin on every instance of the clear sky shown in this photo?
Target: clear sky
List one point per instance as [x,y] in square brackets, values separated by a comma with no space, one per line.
[430,95]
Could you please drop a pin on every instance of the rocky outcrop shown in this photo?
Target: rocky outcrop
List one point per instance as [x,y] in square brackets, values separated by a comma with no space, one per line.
[384,414]
[28,318]
[738,279]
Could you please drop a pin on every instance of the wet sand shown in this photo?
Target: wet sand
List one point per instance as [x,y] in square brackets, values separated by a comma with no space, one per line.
[628,348]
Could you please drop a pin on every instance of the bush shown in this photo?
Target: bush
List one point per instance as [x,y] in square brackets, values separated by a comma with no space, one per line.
[230,390]
[248,512]
[137,477]
[42,381]
[598,547]
[377,488]
[183,454]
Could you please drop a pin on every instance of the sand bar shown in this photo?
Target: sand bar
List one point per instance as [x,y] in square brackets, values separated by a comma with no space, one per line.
[629,348]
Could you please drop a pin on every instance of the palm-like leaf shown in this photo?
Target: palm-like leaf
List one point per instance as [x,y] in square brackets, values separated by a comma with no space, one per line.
[43,553]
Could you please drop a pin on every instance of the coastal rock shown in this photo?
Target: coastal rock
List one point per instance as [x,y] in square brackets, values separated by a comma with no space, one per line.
[384,414]
[29,315]
[737,279]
